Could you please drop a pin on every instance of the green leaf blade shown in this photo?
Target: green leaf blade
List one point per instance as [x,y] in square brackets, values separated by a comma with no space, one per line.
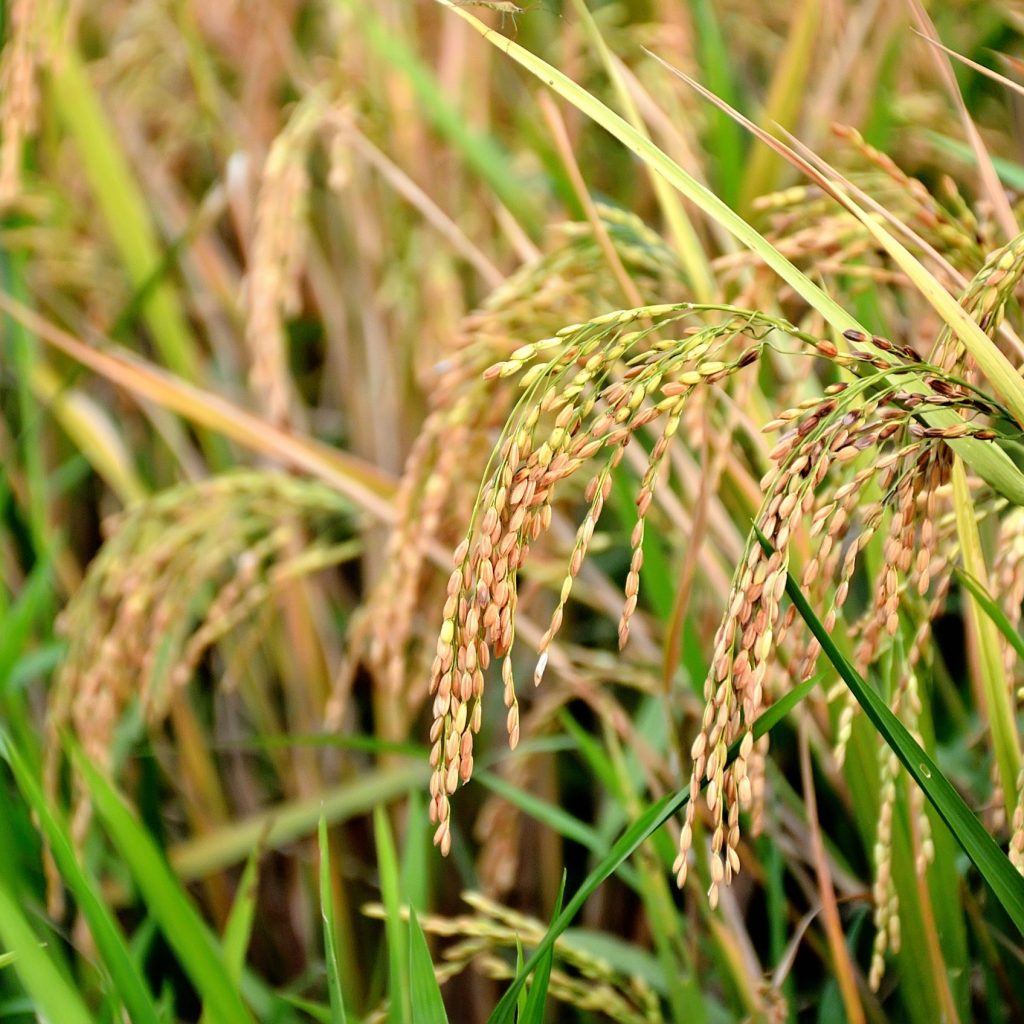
[197,950]
[110,943]
[427,1002]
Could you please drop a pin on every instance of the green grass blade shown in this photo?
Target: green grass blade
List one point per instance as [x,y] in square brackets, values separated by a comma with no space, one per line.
[51,994]
[427,1004]
[327,916]
[979,846]
[238,930]
[592,754]
[521,1001]
[537,999]
[321,1014]
[399,1011]
[549,814]
[415,861]
[1010,173]
[196,949]
[625,846]
[35,595]
[992,610]
[553,817]
[23,352]
[90,428]
[292,819]
[652,866]
[128,982]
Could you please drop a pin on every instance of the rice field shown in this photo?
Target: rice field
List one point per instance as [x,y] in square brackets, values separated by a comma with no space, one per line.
[511,512]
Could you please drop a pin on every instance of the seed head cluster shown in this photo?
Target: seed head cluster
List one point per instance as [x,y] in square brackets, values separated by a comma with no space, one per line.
[864,463]
[867,459]
[603,382]
[813,231]
[871,436]
[177,573]
[567,283]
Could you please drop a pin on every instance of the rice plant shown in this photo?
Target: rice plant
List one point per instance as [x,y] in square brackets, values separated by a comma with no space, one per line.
[654,365]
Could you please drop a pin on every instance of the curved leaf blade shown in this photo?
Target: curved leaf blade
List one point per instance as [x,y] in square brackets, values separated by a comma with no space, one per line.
[196,949]
[979,846]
